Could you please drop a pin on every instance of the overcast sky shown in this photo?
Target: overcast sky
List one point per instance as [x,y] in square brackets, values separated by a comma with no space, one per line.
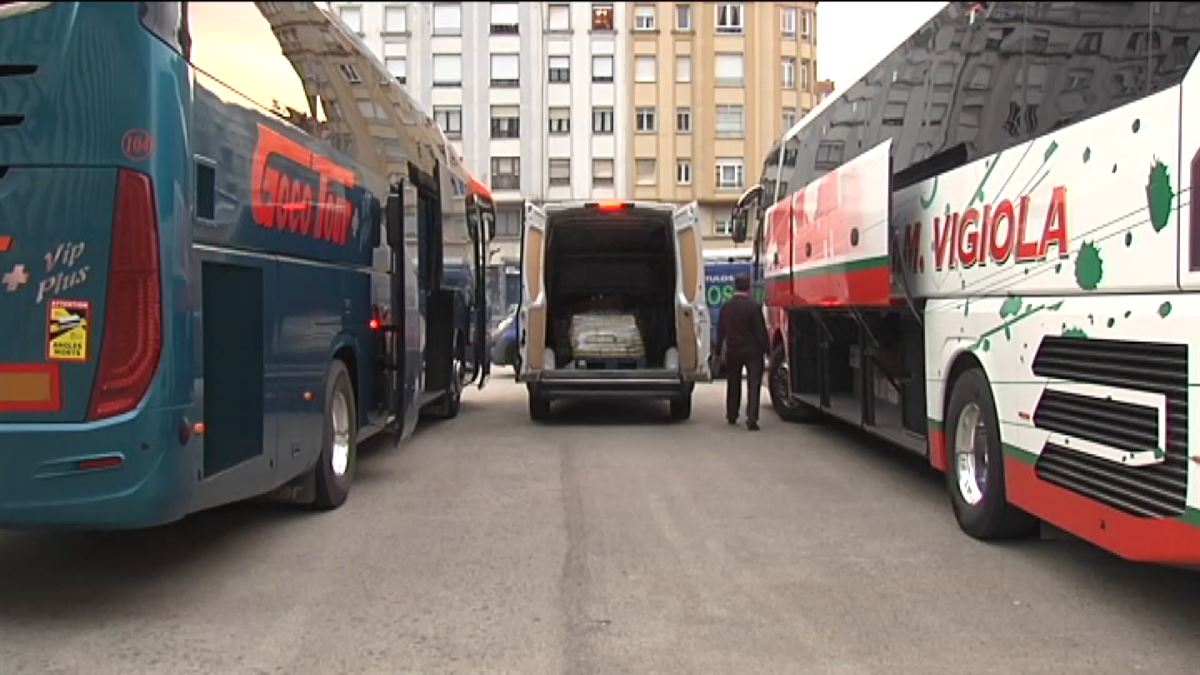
[853,36]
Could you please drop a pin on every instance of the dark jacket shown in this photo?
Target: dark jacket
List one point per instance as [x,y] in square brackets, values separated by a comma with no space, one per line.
[741,330]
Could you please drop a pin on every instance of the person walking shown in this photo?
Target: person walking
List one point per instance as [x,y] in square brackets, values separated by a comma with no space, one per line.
[742,344]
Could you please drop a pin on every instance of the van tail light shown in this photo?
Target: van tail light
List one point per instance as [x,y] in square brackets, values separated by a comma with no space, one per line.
[133,333]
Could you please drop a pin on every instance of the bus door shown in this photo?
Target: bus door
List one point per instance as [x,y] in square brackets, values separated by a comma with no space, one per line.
[393,330]
[483,226]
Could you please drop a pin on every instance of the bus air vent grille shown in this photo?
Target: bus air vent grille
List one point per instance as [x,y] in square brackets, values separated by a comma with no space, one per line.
[1157,490]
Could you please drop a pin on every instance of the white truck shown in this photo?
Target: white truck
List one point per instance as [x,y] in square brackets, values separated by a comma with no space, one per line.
[612,304]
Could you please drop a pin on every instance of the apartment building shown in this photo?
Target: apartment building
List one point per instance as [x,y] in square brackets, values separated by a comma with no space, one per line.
[712,85]
[529,93]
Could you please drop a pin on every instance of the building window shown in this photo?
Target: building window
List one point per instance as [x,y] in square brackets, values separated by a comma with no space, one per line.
[602,16]
[644,68]
[397,66]
[789,118]
[683,68]
[350,73]
[645,171]
[560,171]
[449,118]
[723,225]
[352,17]
[560,68]
[560,121]
[789,72]
[643,17]
[506,173]
[730,120]
[506,70]
[602,120]
[505,18]
[805,24]
[730,173]
[787,21]
[508,223]
[805,75]
[729,17]
[683,171]
[602,68]
[447,70]
[395,20]
[646,120]
[683,120]
[683,17]
[730,70]
[506,121]
[447,18]
[602,172]
[558,18]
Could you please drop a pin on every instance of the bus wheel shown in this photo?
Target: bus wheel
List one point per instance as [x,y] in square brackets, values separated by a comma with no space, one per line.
[339,447]
[785,405]
[975,475]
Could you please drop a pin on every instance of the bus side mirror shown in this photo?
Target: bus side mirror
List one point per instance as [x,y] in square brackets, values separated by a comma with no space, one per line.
[376,223]
[394,221]
[489,220]
[739,227]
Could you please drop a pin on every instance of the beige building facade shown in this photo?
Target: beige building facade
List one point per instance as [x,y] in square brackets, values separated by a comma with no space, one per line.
[711,86]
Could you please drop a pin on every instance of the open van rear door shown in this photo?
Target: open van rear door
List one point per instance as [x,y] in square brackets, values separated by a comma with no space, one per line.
[692,323]
[531,322]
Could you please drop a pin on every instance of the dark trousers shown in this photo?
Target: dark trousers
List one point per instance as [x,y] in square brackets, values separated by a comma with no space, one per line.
[734,363]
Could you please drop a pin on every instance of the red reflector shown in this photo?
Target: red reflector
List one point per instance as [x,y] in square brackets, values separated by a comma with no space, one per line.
[5,243]
[100,463]
[132,340]
[374,324]
[609,205]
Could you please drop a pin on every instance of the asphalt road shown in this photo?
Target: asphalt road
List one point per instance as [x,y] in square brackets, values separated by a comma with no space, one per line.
[610,541]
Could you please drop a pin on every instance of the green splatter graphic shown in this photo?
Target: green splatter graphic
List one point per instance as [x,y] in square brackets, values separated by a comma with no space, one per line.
[1137,126]
[1089,268]
[1050,150]
[1030,310]
[1091,319]
[1128,313]
[1057,267]
[1164,309]
[987,174]
[1011,306]
[1159,454]
[1159,195]
[1114,168]
[1111,322]
[967,308]
[1087,154]
[1074,332]
[1128,238]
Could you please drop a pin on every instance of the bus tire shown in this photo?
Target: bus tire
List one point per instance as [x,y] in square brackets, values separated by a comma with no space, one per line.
[973,438]
[339,447]
[786,406]
[539,406]
[681,408]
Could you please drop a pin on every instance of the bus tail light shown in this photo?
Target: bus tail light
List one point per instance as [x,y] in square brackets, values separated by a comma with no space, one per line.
[132,340]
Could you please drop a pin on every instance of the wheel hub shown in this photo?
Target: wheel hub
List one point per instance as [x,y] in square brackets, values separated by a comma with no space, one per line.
[340,458]
[970,454]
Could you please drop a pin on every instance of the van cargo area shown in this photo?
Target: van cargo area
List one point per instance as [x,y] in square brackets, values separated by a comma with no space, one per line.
[610,281]
[613,304]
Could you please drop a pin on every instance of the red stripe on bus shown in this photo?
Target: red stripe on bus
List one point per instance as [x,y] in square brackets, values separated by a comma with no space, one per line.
[5,243]
[1164,540]
[937,448]
[871,286]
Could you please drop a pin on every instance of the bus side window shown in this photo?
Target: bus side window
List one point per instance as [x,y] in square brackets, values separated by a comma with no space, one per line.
[206,189]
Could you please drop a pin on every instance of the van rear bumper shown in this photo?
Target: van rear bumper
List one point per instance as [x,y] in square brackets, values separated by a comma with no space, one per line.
[609,384]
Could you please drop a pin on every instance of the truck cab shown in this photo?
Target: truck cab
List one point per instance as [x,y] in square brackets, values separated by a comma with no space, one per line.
[612,304]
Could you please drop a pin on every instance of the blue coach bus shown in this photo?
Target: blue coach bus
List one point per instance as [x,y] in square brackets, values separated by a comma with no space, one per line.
[721,266]
[232,247]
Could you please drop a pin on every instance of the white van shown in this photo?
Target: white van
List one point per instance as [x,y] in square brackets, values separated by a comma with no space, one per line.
[612,304]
